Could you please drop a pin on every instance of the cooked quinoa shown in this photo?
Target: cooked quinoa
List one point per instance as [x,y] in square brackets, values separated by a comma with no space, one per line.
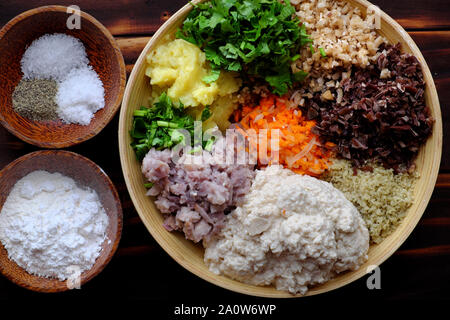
[341,30]
[381,196]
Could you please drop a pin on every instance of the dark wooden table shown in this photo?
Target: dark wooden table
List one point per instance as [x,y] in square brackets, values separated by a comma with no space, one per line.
[142,271]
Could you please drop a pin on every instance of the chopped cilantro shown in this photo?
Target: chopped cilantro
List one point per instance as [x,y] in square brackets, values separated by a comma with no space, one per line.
[215,73]
[322,52]
[209,144]
[148,185]
[206,113]
[162,126]
[296,57]
[257,37]
[158,127]
[300,76]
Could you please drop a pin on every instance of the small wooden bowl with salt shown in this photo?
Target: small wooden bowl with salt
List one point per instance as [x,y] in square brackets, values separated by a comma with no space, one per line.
[104,56]
[86,174]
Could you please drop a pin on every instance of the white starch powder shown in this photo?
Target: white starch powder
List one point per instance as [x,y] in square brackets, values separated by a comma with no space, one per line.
[48,225]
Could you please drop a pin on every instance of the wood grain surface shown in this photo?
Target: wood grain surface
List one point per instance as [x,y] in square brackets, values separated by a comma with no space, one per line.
[141,270]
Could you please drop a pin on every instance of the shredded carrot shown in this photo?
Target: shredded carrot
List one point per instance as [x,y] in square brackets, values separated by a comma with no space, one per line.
[298,149]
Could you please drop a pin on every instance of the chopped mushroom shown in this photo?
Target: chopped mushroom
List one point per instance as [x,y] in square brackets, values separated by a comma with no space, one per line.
[382,118]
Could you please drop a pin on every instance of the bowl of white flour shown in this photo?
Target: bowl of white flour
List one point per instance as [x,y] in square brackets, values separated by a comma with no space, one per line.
[60,221]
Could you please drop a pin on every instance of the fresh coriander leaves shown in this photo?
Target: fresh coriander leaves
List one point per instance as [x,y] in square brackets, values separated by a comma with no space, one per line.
[206,113]
[163,126]
[213,76]
[257,37]
[158,127]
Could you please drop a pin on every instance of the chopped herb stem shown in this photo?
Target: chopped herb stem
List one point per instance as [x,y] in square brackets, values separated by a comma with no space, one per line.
[195,150]
[156,127]
[296,57]
[209,144]
[140,113]
[166,124]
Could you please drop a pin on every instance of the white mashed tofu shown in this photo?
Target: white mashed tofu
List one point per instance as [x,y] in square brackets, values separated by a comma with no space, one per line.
[292,232]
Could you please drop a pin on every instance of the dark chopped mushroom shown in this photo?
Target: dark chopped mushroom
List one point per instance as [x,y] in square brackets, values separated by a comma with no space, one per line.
[382,119]
[312,113]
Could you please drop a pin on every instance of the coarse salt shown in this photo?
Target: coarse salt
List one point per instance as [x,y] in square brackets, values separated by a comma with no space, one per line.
[80,95]
[53,56]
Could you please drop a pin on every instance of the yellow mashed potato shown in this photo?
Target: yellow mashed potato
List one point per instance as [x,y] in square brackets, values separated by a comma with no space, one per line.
[179,67]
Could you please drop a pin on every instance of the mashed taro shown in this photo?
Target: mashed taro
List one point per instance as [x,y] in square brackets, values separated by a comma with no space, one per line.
[292,231]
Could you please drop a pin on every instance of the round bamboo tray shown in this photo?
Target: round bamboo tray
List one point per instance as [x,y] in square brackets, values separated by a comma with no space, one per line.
[190,256]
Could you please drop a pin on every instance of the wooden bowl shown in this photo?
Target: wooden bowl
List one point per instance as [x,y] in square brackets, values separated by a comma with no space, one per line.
[189,255]
[104,56]
[86,174]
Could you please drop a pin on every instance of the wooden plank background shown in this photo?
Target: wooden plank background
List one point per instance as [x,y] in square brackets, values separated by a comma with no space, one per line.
[420,269]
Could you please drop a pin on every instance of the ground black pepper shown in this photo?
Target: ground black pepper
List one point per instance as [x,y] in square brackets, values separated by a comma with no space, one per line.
[35,99]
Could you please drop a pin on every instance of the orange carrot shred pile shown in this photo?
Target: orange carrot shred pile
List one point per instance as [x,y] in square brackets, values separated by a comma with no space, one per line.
[299,149]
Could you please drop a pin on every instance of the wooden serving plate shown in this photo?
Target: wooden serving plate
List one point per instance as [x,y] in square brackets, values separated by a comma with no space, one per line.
[104,56]
[85,173]
[190,256]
